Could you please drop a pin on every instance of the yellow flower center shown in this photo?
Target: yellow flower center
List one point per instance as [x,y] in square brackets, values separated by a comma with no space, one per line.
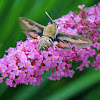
[81,51]
[72,32]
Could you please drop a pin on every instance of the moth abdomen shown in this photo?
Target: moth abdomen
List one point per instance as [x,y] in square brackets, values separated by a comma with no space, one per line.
[44,43]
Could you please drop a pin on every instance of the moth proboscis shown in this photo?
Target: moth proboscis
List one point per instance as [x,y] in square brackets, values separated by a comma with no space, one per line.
[49,34]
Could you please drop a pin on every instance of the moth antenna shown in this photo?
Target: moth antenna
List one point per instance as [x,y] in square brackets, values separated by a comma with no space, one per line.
[49,16]
[64,23]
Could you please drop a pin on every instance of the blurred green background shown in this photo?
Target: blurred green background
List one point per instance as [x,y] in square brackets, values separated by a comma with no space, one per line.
[84,85]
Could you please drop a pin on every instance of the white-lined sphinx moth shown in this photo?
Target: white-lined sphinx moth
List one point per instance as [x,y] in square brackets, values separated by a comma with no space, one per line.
[50,34]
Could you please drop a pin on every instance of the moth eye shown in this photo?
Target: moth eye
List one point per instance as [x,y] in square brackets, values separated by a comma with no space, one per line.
[50,40]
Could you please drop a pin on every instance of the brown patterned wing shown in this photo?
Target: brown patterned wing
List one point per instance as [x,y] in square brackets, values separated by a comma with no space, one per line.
[78,41]
[31,29]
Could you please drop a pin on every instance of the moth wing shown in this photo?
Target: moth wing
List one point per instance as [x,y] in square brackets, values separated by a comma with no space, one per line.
[78,41]
[32,29]
[62,45]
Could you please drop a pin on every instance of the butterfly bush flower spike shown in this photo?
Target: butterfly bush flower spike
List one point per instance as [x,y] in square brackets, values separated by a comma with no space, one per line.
[24,65]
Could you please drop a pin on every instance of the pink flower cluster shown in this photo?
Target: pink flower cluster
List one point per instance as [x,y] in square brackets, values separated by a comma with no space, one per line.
[24,65]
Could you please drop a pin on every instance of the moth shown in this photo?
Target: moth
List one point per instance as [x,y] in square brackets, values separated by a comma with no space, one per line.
[49,35]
